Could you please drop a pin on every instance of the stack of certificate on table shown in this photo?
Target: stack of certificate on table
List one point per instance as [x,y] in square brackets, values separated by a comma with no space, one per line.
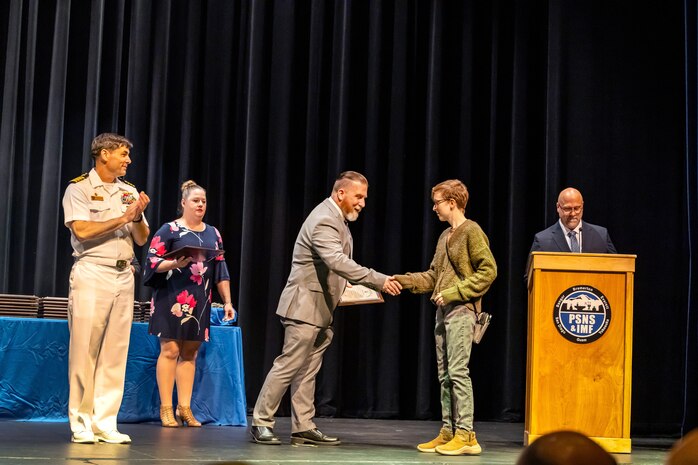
[31,306]
[141,312]
[53,307]
[25,306]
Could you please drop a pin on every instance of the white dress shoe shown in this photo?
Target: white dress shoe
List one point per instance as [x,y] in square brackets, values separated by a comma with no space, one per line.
[83,437]
[112,437]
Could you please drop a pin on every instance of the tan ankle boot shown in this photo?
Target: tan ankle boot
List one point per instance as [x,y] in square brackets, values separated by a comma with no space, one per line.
[167,417]
[186,416]
[463,443]
[444,436]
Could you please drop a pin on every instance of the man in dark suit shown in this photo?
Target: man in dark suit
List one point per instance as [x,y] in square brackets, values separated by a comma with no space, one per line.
[321,267]
[570,234]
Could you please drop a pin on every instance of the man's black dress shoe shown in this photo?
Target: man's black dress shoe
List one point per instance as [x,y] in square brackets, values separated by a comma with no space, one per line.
[314,436]
[264,435]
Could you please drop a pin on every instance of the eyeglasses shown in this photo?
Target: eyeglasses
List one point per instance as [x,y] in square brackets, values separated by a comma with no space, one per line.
[437,202]
[569,210]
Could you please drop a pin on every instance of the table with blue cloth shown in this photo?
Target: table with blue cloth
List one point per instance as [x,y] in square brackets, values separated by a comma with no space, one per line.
[34,374]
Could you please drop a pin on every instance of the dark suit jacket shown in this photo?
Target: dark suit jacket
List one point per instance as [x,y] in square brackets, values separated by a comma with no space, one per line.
[595,239]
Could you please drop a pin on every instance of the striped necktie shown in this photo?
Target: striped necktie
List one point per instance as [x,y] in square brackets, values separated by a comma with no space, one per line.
[574,243]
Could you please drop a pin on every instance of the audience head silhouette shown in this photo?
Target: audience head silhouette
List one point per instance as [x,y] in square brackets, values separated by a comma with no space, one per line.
[685,450]
[565,448]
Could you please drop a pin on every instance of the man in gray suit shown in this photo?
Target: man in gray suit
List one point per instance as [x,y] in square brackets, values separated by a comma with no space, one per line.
[569,234]
[322,266]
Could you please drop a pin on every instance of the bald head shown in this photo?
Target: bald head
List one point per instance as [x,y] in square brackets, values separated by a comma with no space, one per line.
[570,194]
[570,207]
[685,451]
[565,448]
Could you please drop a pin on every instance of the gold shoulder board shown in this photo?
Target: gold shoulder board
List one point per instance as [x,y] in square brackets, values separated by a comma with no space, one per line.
[82,177]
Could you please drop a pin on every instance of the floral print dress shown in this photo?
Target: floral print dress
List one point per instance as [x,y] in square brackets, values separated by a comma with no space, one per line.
[181,305]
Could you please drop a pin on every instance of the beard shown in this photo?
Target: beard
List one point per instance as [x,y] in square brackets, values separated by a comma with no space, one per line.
[352,216]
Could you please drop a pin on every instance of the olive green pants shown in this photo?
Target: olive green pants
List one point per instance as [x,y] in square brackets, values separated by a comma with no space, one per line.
[453,333]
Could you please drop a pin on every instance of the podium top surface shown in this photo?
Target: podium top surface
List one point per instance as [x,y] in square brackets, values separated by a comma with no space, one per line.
[566,261]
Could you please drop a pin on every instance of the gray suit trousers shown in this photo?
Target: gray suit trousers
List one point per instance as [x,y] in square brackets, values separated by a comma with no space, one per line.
[297,367]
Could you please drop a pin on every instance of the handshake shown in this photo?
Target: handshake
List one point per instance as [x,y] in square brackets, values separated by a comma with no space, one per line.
[392,286]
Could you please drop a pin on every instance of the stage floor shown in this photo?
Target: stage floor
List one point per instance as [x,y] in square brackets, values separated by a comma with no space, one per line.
[381,442]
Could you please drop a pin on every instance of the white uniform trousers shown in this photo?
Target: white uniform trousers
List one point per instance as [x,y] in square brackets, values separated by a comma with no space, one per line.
[100,313]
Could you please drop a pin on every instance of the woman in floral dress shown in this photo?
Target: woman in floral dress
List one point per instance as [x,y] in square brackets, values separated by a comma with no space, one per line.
[181,304]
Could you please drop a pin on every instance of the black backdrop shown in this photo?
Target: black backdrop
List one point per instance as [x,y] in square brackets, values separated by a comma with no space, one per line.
[264,102]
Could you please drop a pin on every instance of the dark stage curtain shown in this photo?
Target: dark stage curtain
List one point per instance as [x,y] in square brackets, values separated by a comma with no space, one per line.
[690,407]
[264,102]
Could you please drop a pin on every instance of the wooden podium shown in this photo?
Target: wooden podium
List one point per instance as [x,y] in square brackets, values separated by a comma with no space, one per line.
[580,328]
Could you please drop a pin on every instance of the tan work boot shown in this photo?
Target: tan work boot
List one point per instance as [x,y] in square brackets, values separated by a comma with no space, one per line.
[444,436]
[463,443]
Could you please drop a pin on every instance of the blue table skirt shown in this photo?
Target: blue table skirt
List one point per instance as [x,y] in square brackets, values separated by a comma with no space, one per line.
[34,374]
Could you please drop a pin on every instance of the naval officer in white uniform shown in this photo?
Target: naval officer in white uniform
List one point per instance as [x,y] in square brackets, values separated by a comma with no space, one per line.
[105,217]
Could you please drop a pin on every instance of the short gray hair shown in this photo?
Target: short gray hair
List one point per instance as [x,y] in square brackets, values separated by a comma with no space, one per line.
[346,177]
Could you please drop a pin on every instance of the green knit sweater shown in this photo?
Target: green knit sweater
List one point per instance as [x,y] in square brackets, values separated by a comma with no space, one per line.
[474,271]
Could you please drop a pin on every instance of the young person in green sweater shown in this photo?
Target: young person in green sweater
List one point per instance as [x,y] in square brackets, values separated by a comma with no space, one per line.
[460,273]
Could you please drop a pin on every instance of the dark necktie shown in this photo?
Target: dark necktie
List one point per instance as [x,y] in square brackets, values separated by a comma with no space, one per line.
[349,246]
[574,243]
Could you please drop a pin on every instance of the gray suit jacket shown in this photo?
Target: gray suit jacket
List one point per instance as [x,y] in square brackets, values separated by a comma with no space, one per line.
[321,267]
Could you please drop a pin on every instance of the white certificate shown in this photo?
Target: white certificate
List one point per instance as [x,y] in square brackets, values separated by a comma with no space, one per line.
[356,294]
